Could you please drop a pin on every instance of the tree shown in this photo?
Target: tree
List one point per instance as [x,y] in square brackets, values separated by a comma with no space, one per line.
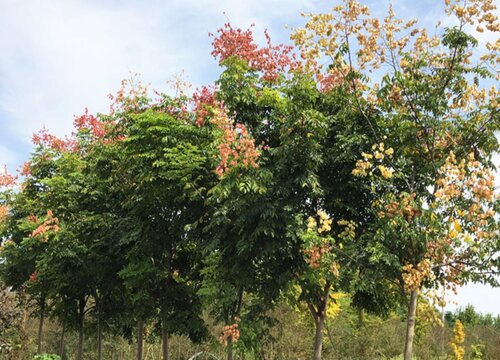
[67,268]
[428,102]
[308,146]
[27,226]
[167,172]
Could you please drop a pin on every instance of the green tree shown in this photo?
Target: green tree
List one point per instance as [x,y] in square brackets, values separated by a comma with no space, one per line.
[422,97]
[306,145]
[165,175]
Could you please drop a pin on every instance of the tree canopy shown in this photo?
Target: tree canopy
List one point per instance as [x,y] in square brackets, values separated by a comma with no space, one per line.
[358,160]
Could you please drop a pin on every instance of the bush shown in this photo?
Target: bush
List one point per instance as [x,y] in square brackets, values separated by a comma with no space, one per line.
[47,357]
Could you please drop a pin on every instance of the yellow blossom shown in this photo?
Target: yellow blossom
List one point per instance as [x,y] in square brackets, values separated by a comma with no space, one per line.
[379,155]
[458,340]
[325,222]
[311,223]
[386,173]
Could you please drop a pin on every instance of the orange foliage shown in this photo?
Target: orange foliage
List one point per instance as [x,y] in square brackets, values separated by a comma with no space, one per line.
[6,179]
[4,212]
[236,147]
[51,224]
[270,60]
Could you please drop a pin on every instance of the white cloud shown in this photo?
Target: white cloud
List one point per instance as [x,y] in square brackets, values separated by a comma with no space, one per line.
[9,158]
[484,298]
[65,56]
[60,56]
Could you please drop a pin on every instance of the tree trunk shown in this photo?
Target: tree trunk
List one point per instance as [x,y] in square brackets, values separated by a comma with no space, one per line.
[79,355]
[236,313]
[318,338]
[410,325]
[61,342]
[229,347]
[140,341]
[443,334]
[361,318]
[362,344]
[164,338]
[40,328]
[260,354]
[319,316]
[23,335]
[99,339]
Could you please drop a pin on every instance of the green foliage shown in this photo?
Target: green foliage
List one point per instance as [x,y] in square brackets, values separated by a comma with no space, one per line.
[197,216]
[47,357]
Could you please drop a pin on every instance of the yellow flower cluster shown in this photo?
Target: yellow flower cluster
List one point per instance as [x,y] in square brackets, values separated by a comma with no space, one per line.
[385,172]
[378,42]
[365,166]
[395,43]
[427,314]
[311,224]
[465,197]
[362,168]
[333,307]
[413,276]
[459,178]
[469,182]
[475,12]
[324,221]
[349,231]
[474,97]
[403,206]
[335,269]
[314,254]
[456,343]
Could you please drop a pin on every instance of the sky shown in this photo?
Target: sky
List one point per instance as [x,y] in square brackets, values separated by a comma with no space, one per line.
[61,56]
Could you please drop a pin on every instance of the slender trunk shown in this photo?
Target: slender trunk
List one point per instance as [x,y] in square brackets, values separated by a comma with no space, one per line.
[23,336]
[362,344]
[79,355]
[443,340]
[319,316]
[99,338]
[40,328]
[229,347]
[361,318]
[318,338]
[61,342]
[236,313]
[410,325]
[164,338]
[140,342]
[261,355]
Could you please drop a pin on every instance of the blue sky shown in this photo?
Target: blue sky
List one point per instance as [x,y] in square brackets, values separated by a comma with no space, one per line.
[60,56]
